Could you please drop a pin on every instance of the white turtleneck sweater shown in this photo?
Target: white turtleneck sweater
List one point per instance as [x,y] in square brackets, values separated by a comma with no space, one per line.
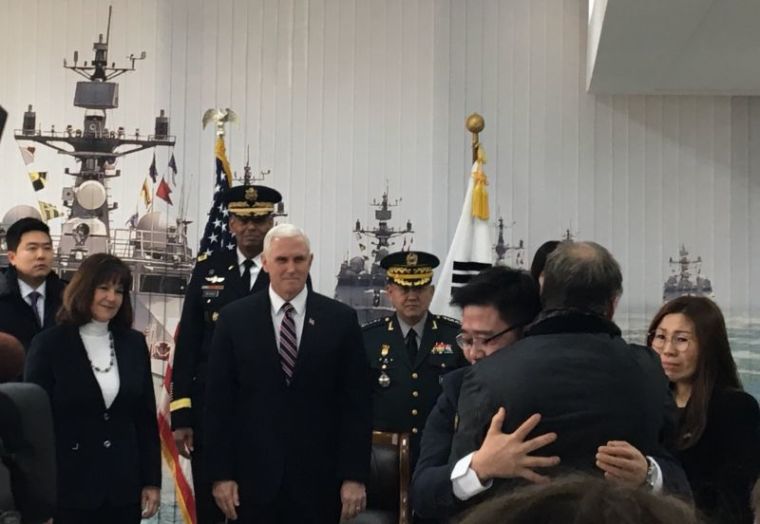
[98,346]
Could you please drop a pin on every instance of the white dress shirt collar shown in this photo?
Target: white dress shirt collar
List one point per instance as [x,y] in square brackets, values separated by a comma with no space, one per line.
[25,289]
[298,302]
[242,258]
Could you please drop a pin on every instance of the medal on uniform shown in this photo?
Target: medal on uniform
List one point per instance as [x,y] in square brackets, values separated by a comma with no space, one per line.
[384,380]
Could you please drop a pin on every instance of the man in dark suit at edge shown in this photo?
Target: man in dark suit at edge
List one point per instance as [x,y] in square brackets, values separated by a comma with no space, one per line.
[30,291]
[288,412]
[605,398]
[217,280]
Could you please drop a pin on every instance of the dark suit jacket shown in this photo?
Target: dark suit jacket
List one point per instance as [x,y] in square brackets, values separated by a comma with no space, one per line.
[215,283]
[724,464]
[16,316]
[104,455]
[432,494]
[26,450]
[589,385]
[305,438]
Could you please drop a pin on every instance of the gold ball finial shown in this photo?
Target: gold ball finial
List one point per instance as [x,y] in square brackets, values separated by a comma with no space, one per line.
[475,123]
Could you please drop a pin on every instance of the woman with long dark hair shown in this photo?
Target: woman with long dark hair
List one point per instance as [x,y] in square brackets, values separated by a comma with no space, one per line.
[718,436]
[96,370]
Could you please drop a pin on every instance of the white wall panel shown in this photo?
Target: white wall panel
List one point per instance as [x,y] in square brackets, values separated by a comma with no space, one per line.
[341,98]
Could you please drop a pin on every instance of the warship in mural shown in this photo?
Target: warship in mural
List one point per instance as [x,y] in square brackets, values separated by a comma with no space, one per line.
[156,250]
[361,280]
[506,254]
[687,278]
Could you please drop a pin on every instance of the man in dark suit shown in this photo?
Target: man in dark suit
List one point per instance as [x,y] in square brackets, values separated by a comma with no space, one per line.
[30,291]
[217,280]
[288,407]
[410,351]
[603,397]
[497,305]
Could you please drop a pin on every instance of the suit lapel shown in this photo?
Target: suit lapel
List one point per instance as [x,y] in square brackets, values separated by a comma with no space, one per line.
[85,368]
[51,304]
[234,281]
[312,323]
[262,281]
[265,341]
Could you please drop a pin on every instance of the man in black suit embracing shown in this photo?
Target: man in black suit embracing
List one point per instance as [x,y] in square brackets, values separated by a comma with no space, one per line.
[288,409]
[604,398]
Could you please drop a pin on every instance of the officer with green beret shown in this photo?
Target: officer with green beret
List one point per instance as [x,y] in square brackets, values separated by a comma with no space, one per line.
[411,350]
[226,275]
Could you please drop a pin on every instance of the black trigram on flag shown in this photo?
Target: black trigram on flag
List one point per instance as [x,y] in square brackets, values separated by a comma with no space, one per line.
[464,271]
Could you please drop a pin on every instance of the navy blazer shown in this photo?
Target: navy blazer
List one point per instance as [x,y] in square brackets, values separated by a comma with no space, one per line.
[431,490]
[589,385]
[302,439]
[16,316]
[104,455]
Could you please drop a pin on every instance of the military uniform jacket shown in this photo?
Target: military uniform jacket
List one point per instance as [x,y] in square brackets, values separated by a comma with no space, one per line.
[215,282]
[404,392]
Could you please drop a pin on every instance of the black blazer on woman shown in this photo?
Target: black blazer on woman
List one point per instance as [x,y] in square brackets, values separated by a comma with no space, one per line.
[103,455]
[725,462]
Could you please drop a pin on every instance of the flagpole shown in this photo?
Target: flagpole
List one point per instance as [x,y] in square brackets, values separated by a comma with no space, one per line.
[475,124]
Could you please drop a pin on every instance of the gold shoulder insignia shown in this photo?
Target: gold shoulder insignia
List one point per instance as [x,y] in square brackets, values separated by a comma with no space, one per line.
[202,257]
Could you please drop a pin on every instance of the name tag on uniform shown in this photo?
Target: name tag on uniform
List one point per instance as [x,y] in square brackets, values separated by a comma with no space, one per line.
[211,290]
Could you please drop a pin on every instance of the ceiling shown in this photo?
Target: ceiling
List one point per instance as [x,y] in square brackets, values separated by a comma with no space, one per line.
[708,47]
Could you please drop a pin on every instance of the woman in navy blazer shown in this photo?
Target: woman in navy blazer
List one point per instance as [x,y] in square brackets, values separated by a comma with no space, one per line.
[96,370]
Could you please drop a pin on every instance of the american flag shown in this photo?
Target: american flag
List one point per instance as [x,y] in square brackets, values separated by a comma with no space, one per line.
[217,236]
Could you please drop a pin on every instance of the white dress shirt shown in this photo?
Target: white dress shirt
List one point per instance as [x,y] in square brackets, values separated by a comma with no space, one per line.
[255,268]
[466,484]
[299,313]
[25,289]
[97,343]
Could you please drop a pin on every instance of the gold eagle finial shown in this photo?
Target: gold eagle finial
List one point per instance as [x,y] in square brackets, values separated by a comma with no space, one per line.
[221,117]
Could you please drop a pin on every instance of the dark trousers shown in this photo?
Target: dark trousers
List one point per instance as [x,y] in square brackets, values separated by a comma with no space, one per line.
[205,508]
[111,514]
[288,508]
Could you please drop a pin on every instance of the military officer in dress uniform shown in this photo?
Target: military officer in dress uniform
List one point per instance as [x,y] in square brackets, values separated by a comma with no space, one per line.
[217,280]
[410,351]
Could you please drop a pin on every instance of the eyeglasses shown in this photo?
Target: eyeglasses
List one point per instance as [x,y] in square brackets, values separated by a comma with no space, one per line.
[465,341]
[679,341]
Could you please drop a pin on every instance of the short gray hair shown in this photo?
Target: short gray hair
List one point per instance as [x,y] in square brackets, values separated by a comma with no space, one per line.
[582,275]
[285,231]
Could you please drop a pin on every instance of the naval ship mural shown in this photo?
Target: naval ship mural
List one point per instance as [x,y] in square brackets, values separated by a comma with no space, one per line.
[507,254]
[361,280]
[687,278]
[154,247]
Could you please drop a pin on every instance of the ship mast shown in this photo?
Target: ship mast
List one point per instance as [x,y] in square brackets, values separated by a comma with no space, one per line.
[94,146]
